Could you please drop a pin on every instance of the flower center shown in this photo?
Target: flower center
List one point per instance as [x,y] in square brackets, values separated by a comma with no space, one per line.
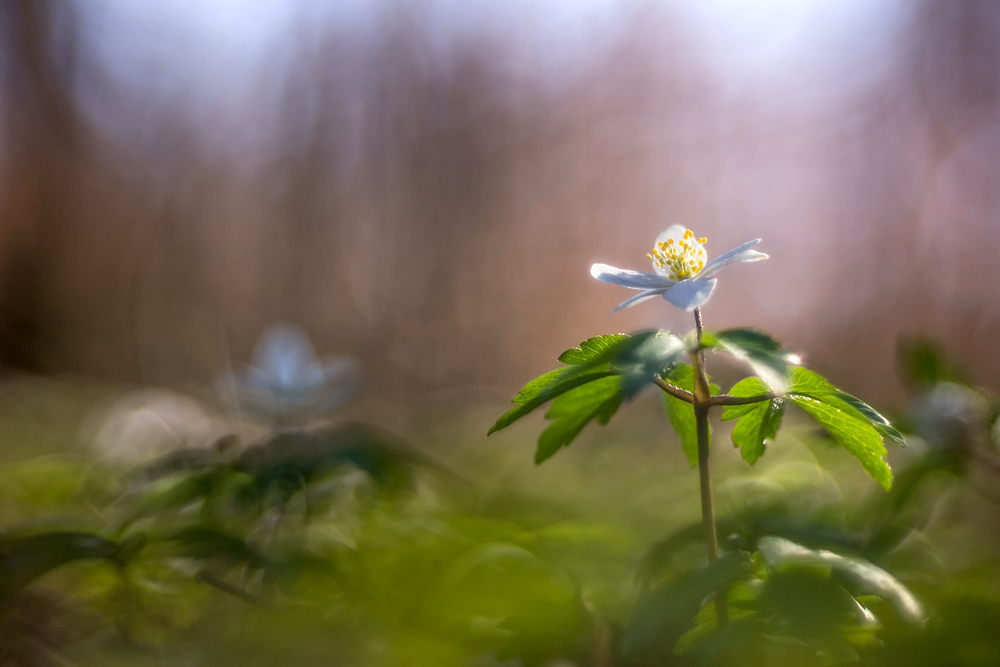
[682,259]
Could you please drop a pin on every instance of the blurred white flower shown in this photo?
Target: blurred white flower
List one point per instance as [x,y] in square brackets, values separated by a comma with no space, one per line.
[287,381]
[149,423]
[949,416]
[682,276]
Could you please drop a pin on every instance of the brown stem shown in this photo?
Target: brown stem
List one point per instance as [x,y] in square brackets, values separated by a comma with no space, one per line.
[702,402]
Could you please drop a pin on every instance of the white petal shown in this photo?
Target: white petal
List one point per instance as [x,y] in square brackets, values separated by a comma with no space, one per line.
[630,279]
[283,356]
[675,232]
[740,254]
[641,296]
[691,293]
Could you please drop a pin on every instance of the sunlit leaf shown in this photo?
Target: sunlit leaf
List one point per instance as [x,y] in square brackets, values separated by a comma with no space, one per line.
[805,382]
[590,349]
[809,383]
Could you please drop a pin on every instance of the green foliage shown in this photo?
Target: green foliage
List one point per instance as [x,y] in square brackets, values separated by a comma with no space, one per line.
[24,558]
[856,436]
[665,612]
[784,594]
[602,373]
[681,413]
[590,349]
[858,576]
[765,354]
[572,411]
[852,423]
[922,363]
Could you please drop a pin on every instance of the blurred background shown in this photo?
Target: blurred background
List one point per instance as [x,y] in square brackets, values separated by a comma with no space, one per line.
[422,186]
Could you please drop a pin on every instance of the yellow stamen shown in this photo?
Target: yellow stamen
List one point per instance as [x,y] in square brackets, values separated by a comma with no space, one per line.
[681,258]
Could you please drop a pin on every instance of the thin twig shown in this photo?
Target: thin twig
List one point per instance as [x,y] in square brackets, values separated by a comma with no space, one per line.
[726,399]
[226,587]
[676,392]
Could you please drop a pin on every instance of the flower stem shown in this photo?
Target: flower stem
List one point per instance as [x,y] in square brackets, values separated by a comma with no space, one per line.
[702,402]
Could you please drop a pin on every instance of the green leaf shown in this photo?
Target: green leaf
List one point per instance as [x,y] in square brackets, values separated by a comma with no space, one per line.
[536,386]
[575,409]
[758,422]
[590,349]
[681,413]
[765,354]
[605,371]
[857,436]
[753,431]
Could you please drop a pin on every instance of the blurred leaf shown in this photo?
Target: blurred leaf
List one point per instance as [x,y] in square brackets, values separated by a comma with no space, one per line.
[25,558]
[859,576]
[575,409]
[765,354]
[665,613]
[654,354]
[292,459]
[205,543]
[857,436]
[922,363]
[739,604]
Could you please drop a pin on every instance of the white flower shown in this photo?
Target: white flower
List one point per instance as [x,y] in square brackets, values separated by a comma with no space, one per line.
[286,380]
[682,275]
